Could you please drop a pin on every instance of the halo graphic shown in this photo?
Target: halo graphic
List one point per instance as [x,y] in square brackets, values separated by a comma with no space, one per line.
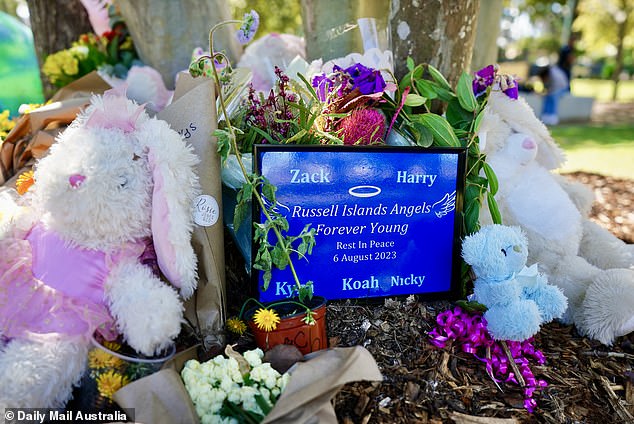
[364,191]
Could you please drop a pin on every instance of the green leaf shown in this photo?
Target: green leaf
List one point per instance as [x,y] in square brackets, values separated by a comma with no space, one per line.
[440,129]
[266,278]
[477,122]
[438,77]
[426,89]
[472,193]
[493,179]
[240,214]
[268,191]
[465,93]
[493,209]
[444,94]
[422,135]
[266,135]
[279,257]
[224,144]
[414,100]
[263,404]
[298,136]
[305,291]
[471,217]
[474,150]
[309,86]
[477,179]
[471,306]
[245,193]
[404,83]
[457,116]
[410,63]
[113,47]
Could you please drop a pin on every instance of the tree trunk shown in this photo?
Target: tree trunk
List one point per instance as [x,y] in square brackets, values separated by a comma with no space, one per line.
[622,32]
[56,24]
[165,32]
[438,32]
[332,26]
[485,48]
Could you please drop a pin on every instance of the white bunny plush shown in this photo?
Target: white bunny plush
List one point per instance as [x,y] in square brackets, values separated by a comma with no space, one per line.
[592,267]
[114,179]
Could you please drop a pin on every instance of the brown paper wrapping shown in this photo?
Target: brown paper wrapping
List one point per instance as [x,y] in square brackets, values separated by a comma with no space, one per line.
[162,398]
[193,114]
[34,132]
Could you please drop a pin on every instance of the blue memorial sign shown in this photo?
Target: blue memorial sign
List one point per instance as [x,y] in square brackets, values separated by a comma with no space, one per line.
[386,219]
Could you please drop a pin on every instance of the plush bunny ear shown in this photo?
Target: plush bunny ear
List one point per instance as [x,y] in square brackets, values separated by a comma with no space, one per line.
[114,110]
[519,115]
[172,164]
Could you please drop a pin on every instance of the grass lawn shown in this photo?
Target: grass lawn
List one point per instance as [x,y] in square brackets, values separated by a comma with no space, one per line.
[601,149]
[602,89]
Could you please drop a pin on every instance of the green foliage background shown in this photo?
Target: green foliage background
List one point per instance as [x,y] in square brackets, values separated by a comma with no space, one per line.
[281,16]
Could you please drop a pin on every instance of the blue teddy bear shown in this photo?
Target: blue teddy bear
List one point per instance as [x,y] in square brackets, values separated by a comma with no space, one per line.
[518,299]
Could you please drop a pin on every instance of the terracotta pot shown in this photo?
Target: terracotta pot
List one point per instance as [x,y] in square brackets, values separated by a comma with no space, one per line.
[292,330]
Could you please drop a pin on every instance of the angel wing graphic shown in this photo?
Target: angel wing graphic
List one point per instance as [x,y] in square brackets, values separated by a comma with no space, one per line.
[445,205]
[275,208]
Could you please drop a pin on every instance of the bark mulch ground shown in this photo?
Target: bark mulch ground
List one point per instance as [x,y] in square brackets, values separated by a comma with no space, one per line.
[587,382]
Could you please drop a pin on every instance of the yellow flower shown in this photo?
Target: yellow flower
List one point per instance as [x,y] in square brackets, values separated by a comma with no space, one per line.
[114,346]
[98,358]
[70,66]
[6,124]
[51,67]
[236,325]
[24,182]
[266,319]
[127,44]
[109,382]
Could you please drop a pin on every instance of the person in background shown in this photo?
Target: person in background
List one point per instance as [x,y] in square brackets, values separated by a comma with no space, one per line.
[556,79]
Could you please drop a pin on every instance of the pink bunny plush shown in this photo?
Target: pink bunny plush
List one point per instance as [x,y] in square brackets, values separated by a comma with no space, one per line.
[115,182]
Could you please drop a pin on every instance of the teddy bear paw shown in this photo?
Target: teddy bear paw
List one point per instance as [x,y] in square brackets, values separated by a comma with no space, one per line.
[551,302]
[516,321]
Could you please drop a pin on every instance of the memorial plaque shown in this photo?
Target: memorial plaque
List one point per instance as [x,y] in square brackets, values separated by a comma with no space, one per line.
[387,219]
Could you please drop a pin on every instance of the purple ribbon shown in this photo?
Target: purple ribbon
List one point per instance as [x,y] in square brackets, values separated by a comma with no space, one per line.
[469,332]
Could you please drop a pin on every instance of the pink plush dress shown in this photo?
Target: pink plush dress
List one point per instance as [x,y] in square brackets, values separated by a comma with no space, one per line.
[49,286]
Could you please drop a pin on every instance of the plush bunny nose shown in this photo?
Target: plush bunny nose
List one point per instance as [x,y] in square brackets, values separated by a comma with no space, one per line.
[517,248]
[75,180]
[528,144]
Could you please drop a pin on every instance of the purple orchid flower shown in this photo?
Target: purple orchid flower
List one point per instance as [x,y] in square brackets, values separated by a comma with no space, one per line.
[323,85]
[367,80]
[488,76]
[483,78]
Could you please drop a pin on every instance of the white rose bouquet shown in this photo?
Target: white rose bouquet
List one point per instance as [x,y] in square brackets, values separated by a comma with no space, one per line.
[237,389]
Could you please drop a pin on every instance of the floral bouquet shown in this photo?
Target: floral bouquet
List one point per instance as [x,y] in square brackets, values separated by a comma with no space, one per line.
[237,389]
[112,52]
[112,365]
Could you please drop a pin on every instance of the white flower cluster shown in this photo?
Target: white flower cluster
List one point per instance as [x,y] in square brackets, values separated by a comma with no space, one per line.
[212,383]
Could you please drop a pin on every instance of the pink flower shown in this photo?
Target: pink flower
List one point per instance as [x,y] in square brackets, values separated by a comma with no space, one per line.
[362,126]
